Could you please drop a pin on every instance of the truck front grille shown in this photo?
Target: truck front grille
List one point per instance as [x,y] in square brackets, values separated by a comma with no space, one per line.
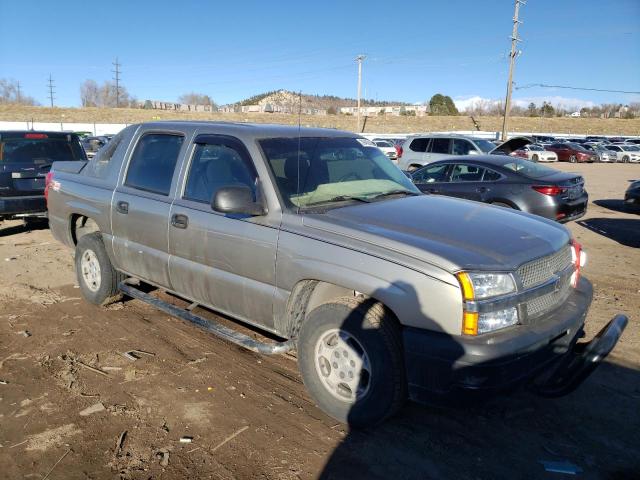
[542,269]
[545,303]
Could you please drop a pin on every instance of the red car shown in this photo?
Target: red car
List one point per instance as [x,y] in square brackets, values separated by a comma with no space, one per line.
[571,152]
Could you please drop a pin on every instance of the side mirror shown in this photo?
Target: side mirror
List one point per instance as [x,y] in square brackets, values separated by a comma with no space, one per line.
[236,199]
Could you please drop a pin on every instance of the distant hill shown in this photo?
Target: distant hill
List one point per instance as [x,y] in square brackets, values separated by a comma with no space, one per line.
[285,97]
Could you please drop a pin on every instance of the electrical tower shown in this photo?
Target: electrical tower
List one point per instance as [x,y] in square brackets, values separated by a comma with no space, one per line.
[359,59]
[512,60]
[51,91]
[116,79]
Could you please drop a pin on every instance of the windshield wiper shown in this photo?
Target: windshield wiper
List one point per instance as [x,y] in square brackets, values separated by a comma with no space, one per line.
[340,198]
[394,192]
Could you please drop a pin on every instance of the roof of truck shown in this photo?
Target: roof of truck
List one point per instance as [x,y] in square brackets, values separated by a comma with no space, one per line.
[261,130]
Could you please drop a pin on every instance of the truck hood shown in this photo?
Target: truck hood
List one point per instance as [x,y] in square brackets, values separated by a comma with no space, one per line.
[450,233]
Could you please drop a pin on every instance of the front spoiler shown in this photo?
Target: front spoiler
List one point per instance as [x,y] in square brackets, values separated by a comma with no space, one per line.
[580,361]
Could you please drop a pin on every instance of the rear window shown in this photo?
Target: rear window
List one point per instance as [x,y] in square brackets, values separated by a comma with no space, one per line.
[419,144]
[153,162]
[527,168]
[40,150]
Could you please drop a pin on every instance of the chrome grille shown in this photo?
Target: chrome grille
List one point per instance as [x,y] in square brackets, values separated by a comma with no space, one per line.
[540,270]
[549,301]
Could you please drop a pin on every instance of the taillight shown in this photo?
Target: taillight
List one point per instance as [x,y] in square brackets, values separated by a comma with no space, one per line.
[399,151]
[36,135]
[549,189]
[47,181]
[579,259]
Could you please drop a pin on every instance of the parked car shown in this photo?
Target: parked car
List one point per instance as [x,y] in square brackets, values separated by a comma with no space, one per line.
[544,139]
[632,196]
[92,144]
[635,141]
[602,154]
[419,150]
[25,158]
[571,152]
[388,149]
[507,182]
[313,236]
[535,153]
[625,153]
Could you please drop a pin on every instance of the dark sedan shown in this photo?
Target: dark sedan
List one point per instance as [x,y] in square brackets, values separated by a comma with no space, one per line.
[632,196]
[571,152]
[508,182]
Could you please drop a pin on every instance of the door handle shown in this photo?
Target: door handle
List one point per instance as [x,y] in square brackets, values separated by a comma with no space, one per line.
[122,207]
[179,220]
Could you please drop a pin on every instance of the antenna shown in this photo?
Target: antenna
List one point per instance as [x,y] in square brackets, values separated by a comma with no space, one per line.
[51,91]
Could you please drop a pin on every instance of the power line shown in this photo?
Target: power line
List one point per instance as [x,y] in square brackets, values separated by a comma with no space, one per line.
[117,80]
[51,91]
[512,60]
[543,85]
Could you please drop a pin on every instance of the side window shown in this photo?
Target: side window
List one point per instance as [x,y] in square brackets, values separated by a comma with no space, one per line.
[419,144]
[99,166]
[461,147]
[214,166]
[491,176]
[435,173]
[153,162]
[440,145]
[466,173]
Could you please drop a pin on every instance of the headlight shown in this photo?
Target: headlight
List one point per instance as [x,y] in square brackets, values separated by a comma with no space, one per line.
[490,321]
[477,286]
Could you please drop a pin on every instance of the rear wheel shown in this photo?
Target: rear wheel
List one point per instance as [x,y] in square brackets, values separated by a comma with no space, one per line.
[97,278]
[625,159]
[535,158]
[573,159]
[351,360]
[413,168]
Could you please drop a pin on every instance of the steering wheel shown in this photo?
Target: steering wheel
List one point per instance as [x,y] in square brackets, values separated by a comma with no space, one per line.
[350,175]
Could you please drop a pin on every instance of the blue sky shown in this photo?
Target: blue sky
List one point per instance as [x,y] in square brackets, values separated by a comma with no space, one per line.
[232,50]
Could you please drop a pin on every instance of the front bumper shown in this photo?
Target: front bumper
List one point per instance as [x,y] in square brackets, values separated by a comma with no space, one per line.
[12,206]
[438,364]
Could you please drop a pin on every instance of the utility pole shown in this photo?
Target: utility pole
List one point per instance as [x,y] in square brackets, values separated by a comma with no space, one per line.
[51,92]
[18,93]
[512,60]
[359,59]
[117,80]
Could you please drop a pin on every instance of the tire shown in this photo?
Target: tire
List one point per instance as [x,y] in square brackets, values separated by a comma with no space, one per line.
[413,168]
[573,159]
[97,278]
[535,158]
[367,333]
[625,159]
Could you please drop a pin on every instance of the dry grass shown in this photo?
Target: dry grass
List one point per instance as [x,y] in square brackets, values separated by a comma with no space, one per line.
[612,126]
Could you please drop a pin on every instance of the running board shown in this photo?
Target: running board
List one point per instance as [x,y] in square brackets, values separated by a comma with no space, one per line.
[233,336]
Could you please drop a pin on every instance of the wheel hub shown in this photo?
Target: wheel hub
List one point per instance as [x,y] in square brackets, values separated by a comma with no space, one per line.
[90,269]
[343,365]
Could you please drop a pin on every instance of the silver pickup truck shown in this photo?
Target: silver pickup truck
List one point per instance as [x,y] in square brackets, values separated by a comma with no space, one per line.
[316,238]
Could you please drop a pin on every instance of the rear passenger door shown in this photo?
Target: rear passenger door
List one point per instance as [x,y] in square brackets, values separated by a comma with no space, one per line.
[432,178]
[466,182]
[439,149]
[141,205]
[226,262]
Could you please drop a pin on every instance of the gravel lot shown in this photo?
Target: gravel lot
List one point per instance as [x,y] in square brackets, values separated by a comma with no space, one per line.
[249,415]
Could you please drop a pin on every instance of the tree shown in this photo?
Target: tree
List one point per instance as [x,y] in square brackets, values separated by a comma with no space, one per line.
[442,105]
[332,110]
[94,95]
[547,110]
[532,110]
[89,96]
[194,98]
[10,93]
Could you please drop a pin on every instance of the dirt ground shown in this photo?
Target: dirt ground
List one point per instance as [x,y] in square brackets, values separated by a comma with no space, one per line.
[248,416]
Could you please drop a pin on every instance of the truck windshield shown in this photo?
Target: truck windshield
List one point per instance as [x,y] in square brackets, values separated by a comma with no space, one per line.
[310,171]
[39,151]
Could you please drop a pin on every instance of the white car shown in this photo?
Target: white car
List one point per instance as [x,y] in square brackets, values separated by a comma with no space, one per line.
[536,153]
[625,153]
[387,148]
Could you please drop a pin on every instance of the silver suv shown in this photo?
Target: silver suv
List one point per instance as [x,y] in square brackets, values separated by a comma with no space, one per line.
[418,150]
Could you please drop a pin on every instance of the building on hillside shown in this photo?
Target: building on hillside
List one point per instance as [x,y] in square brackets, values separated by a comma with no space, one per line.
[282,108]
[181,107]
[389,110]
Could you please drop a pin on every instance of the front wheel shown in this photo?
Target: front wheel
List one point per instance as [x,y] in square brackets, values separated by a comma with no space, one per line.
[573,159]
[351,360]
[97,278]
[625,159]
[535,158]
